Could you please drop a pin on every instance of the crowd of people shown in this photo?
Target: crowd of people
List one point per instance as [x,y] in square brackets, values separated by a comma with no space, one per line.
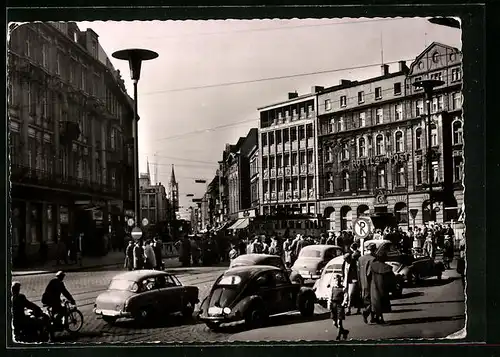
[147,254]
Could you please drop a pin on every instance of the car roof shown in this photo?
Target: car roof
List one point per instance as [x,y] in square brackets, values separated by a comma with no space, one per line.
[321,247]
[255,257]
[336,260]
[139,274]
[377,242]
[246,272]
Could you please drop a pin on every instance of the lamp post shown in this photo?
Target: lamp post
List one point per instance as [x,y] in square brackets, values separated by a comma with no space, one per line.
[428,86]
[135,57]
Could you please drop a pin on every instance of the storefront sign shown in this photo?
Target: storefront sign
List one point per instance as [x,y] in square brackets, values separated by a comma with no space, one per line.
[247,214]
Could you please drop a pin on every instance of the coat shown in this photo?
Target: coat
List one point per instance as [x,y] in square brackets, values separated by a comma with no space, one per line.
[364,263]
[382,278]
[138,258]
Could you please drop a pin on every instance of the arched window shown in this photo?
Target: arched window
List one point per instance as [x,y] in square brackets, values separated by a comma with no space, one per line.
[434,135]
[457,132]
[345,181]
[363,210]
[346,217]
[381,177]
[400,175]
[345,151]
[362,147]
[399,141]
[330,182]
[379,143]
[418,139]
[401,212]
[364,180]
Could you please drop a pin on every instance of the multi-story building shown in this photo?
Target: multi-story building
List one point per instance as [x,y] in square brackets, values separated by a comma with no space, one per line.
[372,142]
[253,157]
[287,156]
[70,126]
[154,203]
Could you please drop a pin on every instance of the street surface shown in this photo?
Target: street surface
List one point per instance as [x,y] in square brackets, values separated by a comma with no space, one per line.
[432,310]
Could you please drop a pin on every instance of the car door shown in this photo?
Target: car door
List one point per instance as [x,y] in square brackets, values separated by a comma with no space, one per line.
[172,294]
[284,292]
[264,286]
[149,295]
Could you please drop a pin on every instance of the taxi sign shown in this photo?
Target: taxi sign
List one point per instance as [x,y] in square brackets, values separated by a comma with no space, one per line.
[136,233]
[362,227]
[130,222]
[145,221]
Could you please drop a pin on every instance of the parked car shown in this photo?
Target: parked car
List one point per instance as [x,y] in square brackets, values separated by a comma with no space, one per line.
[252,294]
[323,286]
[412,268]
[266,259]
[313,258]
[142,294]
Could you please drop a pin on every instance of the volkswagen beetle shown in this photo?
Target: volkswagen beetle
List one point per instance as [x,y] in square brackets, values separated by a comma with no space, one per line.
[266,259]
[252,294]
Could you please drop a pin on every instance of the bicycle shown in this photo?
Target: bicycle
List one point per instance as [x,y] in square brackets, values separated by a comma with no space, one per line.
[72,319]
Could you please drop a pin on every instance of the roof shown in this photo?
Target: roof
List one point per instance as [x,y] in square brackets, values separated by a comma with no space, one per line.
[300,98]
[138,274]
[255,257]
[321,247]
[247,272]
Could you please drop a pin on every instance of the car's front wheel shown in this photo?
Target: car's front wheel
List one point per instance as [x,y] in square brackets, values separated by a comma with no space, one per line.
[255,317]
[214,326]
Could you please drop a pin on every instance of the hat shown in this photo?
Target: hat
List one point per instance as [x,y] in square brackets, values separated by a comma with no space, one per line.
[60,273]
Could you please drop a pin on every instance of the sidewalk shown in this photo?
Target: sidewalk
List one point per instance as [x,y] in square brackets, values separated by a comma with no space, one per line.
[109,260]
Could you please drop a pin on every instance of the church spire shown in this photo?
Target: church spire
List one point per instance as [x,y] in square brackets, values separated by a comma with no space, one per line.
[172,176]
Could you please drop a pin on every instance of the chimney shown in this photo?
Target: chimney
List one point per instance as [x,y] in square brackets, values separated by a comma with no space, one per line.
[292,95]
[344,82]
[385,69]
[403,67]
[316,89]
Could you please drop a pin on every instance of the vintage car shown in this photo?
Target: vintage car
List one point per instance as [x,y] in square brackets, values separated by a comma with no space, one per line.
[322,286]
[142,294]
[412,268]
[252,294]
[313,258]
[266,259]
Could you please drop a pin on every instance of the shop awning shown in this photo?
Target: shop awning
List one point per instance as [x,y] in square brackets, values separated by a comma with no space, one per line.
[241,223]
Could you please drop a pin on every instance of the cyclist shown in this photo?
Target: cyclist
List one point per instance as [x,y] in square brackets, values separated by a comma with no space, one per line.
[52,296]
[20,321]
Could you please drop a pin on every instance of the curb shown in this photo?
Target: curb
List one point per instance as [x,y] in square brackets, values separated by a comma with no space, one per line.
[69,270]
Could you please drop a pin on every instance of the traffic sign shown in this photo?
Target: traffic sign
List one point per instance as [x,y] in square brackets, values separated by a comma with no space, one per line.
[130,222]
[145,221]
[136,233]
[413,212]
[362,227]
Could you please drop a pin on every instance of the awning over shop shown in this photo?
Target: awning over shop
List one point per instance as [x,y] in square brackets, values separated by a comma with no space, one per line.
[223,226]
[241,224]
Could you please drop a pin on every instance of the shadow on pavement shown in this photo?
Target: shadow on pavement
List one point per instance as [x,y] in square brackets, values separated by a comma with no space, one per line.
[164,321]
[409,295]
[427,302]
[423,320]
[399,311]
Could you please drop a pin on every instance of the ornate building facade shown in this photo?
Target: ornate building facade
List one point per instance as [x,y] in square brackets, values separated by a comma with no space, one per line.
[70,139]
[373,147]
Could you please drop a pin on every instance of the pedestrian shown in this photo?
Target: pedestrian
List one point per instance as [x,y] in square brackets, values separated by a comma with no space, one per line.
[382,279]
[287,251]
[149,256]
[61,255]
[350,270]
[337,307]
[129,256]
[138,257]
[79,248]
[331,238]
[233,253]
[448,251]
[158,250]
[428,247]
[364,263]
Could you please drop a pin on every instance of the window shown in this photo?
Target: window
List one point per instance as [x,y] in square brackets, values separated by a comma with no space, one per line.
[419,172]
[379,118]
[330,184]
[361,97]
[286,160]
[364,180]
[362,147]
[302,133]
[332,125]
[343,101]
[294,159]
[397,88]
[345,151]
[44,55]
[458,168]
[271,138]
[438,76]
[328,104]
[379,144]
[381,177]
[437,103]
[398,111]
[286,136]
[435,171]
[362,119]
[456,74]
[417,79]
[340,124]
[434,135]
[113,139]
[329,154]
[278,137]
[345,181]
[457,132]
[27,48]
[399,141]
[400,176]
[293,134]
[418,139]
[419,108]
[401,213]
[378,93]
[435,57]
[456,100]
[84,78]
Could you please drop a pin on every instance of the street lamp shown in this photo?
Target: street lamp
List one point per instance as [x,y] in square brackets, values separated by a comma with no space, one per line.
[428,86]
[135,57]
[445,21]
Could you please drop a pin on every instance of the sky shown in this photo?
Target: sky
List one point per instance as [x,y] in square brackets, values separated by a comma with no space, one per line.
[189,104]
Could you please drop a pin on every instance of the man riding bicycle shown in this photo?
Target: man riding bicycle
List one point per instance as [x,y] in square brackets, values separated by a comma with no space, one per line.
[52,296]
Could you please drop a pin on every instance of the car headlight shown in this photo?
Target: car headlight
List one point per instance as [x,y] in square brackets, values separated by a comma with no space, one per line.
[226,310]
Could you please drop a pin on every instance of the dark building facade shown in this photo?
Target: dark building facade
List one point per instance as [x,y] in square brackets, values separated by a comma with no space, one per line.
[70,140]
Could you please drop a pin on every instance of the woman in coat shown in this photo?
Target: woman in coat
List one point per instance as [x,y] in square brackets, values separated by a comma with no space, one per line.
[382,279]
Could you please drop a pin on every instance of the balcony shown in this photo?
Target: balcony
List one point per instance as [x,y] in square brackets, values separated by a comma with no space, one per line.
[311,193]
[295,170]
[280,171]
[25,175]
[273,196]
[273,173]
[288,171]
[303,194]
[281,196]
[265,174]
[288,195]
[311,169]
[296,195]
[303,169]
[266,196]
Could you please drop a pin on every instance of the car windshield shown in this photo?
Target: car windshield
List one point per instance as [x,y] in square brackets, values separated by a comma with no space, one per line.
[310,253]
[123,285]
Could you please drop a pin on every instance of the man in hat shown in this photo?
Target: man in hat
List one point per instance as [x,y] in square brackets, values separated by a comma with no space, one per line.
[20,321]
[52,295]
[364,263]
